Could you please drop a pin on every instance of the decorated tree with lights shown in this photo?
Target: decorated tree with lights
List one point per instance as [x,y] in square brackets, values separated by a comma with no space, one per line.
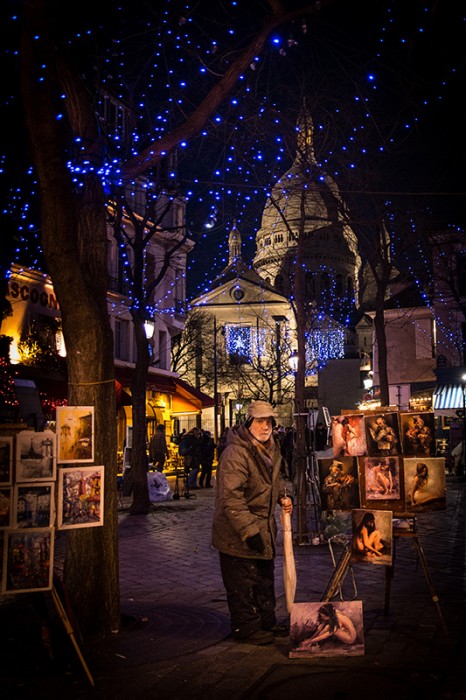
[75,177]
[74,180]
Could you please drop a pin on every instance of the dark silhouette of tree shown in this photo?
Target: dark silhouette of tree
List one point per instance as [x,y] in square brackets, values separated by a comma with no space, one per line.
[69,156]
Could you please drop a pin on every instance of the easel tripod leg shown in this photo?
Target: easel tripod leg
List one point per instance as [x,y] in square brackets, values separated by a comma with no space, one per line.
[67,625]
[430,584]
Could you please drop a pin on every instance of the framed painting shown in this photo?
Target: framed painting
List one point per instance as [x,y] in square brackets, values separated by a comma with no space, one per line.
[382,435]
[418,434]
[75,434]
[381,483]
[6,461]
[348,436]
[6,499]
[34,505]
[28,564]
[425,483]
[80,497]
[326,629]
[372,536]
[35,456]
[339,483]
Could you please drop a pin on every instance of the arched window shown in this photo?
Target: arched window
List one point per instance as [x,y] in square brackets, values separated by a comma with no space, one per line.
[338,285]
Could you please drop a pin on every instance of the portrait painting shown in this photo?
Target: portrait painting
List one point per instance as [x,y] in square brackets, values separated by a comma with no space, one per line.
[382,435]
[326,629]
[29,560]
[80,497]
[348,436]
[6,461]
[339,483]
[75,434]
[425,483]
[418,434]
[34,505]
[6,497]
[372,537]
[35,456]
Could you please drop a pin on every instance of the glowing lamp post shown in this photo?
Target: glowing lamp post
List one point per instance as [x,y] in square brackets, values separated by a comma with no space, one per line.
[299,456]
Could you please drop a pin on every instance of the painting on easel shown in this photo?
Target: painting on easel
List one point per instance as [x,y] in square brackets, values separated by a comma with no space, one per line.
[425,484]
[326,629]
[418,434]
[29,560]
[372,537]
[348,436]
[338,483]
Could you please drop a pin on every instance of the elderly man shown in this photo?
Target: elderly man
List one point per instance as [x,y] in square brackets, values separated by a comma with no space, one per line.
[249,486]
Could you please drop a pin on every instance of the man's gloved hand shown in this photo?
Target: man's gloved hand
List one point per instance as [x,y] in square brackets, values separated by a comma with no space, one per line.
[256,543]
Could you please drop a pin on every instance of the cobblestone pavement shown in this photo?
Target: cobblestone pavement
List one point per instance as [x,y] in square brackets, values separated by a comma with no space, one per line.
[176,644]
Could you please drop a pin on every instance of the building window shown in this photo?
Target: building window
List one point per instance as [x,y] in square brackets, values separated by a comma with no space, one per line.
[461,274]
[121,340]
[163,350]
[238,341]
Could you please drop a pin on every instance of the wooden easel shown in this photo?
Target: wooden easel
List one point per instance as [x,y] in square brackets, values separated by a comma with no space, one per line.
[344,564]
[70,631]
[399,534]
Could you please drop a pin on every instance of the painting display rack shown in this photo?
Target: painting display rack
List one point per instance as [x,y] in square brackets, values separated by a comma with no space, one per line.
[344,565]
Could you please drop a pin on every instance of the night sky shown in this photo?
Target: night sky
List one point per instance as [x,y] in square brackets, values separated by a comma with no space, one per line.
[384,83]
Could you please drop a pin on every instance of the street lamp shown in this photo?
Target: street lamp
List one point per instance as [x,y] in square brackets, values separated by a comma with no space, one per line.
[299,457]
[293,360]
[149,327]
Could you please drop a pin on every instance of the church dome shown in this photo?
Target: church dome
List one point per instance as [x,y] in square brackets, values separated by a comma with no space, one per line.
[330,244]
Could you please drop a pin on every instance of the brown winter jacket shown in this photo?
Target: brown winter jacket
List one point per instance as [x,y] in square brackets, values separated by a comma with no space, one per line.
[247,493]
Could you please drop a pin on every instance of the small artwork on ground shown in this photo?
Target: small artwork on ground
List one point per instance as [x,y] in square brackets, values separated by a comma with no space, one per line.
[372,536]
[326,629]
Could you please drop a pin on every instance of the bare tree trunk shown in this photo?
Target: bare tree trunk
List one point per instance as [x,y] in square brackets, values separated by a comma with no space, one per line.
[139,463]
[74,244]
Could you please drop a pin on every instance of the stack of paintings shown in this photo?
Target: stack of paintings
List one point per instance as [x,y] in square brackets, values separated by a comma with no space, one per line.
[29,508]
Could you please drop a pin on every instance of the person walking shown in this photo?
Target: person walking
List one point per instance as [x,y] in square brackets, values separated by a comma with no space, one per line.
[249,486]
[207,452]
[190,449]
[158,450]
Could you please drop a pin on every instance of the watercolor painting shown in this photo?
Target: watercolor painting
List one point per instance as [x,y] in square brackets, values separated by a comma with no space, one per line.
[35,456]
[75,434]
[80,497]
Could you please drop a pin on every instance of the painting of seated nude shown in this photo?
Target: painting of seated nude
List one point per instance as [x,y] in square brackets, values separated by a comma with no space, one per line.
[425,485]
[326,629]
[372,536]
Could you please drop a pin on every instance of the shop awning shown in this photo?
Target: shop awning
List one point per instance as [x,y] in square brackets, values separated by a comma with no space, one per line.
[195,396]
[448,396]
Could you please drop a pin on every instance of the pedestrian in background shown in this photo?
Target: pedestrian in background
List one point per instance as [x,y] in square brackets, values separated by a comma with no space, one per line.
[158,450]
[190,449]
[249,486]
[207,451]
